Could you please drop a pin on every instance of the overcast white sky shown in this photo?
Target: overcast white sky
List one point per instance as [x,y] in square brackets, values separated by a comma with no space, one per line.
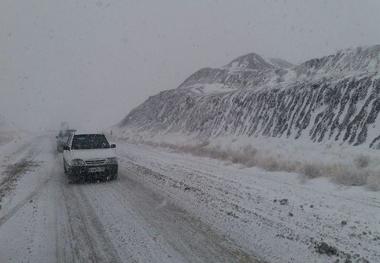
[91,62]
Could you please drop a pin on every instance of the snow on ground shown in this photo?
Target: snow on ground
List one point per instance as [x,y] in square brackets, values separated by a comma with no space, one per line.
[341,163]
[45,219]
[169,206]
[274,215]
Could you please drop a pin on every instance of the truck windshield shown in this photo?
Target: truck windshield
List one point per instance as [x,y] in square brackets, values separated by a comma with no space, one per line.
[89,141]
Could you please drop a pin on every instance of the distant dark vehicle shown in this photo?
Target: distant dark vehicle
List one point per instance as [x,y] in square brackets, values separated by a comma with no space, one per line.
[89,156]
[62,138]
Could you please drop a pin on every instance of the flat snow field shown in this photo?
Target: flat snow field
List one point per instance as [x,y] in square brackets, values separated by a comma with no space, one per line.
[172,207]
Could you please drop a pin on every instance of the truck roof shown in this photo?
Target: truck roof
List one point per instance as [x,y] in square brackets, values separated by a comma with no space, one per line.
[87,132]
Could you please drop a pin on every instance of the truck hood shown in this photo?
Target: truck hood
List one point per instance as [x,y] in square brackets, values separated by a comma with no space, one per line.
[93,154]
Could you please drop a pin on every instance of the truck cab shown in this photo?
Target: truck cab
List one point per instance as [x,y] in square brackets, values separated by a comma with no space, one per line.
[89,156]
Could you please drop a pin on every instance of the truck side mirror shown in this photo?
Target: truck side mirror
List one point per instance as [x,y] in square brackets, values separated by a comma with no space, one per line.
[66,148]
[113,145]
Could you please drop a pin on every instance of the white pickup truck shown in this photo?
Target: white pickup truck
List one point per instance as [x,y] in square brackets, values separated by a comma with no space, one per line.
[89,156]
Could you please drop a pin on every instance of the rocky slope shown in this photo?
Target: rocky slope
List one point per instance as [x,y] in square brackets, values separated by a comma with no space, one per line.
[333,98]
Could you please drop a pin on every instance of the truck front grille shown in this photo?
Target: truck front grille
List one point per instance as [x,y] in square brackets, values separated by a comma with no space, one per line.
[96,162]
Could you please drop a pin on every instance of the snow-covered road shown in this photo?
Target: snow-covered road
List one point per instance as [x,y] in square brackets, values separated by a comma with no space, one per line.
[173,207]
[45,219]
[278,216]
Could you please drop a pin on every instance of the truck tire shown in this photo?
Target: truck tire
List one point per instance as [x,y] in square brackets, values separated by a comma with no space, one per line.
[114,176]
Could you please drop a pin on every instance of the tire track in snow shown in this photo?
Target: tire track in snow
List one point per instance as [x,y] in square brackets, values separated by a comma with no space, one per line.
[255,202]
[34,194]
[197,241]
[31,154]
[90,241]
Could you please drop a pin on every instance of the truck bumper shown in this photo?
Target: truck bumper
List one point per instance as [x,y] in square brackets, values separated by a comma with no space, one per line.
[109,171]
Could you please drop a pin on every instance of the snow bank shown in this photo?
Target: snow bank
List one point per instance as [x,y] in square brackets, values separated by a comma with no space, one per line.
[273,214]
[343,164]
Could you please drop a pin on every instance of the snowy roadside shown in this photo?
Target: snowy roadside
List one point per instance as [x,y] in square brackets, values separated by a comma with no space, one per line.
[45,219]
[12,152]
[19,160]
[274,215]
[342,163]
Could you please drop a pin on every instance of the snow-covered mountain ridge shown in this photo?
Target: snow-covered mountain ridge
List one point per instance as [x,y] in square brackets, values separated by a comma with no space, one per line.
[333,98]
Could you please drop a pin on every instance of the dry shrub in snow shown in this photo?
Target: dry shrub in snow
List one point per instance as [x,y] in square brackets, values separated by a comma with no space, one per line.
[311,170]
[270,164]
[373,181]
[204,144]
[239,158]
[348,175]
[361,161]
[250,151]
[247,156]
[351,175]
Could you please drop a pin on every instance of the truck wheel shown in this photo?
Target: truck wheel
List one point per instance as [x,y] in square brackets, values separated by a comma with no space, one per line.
[114,176]
[74,178]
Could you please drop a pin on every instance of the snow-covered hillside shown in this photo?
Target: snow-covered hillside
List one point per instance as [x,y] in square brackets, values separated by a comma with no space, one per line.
[334,98]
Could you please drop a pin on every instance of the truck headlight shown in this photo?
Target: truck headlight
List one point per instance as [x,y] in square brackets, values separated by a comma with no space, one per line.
[78,162]
[112,160]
